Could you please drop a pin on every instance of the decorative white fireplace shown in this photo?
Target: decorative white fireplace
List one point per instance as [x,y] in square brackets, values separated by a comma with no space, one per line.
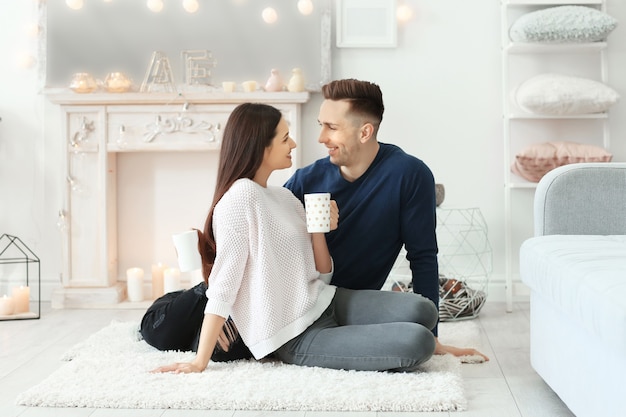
[139,168]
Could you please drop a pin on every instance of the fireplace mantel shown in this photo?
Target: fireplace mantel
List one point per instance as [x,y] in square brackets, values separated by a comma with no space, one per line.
[97,128]
[64,96]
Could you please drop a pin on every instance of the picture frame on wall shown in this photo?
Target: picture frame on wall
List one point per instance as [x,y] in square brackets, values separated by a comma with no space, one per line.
[366,24]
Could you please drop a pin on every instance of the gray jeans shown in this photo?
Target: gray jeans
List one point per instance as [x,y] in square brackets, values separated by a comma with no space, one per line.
[367,330]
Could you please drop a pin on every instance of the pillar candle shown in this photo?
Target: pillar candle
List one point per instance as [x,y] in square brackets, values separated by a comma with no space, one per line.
[249,86]
[21,297]
[7,306]
[157,280]
[134,284]
[171,280]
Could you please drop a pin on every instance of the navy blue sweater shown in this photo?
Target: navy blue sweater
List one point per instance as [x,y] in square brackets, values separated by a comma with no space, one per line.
[390,205]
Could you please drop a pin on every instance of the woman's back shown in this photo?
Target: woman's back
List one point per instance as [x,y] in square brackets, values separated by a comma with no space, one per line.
[264,273]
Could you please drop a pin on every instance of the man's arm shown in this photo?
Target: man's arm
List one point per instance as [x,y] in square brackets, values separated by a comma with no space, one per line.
[418,231]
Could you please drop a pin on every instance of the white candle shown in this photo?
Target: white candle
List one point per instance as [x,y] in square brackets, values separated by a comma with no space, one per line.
[134,284]
[21,297]
[171,280]
[249,86]
[228,86]
[7,305]
[157,280]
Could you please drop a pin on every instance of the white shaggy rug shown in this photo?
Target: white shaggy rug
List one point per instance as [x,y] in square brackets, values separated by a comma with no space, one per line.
[111,370]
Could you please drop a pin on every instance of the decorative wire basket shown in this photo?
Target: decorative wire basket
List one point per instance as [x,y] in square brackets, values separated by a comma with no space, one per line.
[465,263]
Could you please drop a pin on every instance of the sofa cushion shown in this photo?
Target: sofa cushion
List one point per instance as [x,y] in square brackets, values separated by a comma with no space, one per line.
[585,277]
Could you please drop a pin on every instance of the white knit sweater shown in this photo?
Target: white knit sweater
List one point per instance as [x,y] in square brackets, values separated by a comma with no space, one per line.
[264,273]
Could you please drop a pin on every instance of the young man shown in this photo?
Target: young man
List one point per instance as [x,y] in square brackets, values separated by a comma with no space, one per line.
[386,197]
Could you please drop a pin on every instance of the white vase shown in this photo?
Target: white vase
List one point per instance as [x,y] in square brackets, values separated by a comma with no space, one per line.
[296,82]
[274,82]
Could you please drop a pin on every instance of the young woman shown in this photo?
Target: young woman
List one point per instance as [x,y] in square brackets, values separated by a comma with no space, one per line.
[271,276]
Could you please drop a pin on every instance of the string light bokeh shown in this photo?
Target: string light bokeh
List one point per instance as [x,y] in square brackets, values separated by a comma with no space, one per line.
[269,15]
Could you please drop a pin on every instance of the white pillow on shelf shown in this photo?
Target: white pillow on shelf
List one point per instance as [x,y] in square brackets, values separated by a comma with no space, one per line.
[563,24]
[558,95]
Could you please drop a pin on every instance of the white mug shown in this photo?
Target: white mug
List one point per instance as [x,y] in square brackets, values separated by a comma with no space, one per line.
[317,207]
[186,244]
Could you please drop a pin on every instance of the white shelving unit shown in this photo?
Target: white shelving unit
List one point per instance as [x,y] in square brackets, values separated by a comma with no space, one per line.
[521,61]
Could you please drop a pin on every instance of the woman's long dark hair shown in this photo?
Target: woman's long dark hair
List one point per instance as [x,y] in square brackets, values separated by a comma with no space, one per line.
[248,132]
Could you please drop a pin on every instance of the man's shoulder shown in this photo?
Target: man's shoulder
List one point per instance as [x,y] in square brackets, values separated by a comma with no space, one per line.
[397,160]
[317,166]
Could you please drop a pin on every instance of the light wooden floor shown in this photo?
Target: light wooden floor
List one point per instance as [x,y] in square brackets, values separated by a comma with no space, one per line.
[506,386]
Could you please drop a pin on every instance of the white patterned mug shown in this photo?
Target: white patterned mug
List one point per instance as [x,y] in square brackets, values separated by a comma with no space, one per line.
[317,207]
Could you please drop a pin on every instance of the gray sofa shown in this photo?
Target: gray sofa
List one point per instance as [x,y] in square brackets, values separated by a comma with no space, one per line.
[575,267]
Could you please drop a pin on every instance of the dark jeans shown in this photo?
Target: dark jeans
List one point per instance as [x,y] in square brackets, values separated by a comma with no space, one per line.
[173,322]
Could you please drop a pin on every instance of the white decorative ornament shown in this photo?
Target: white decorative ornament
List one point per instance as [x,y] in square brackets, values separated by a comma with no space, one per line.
[181,123]
[159,76]
[274,82]
[197,66]
[296,82]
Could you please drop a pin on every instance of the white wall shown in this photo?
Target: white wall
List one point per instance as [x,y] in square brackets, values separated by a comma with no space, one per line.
[442,91]
[441,87]
[23,170]
[443,97]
